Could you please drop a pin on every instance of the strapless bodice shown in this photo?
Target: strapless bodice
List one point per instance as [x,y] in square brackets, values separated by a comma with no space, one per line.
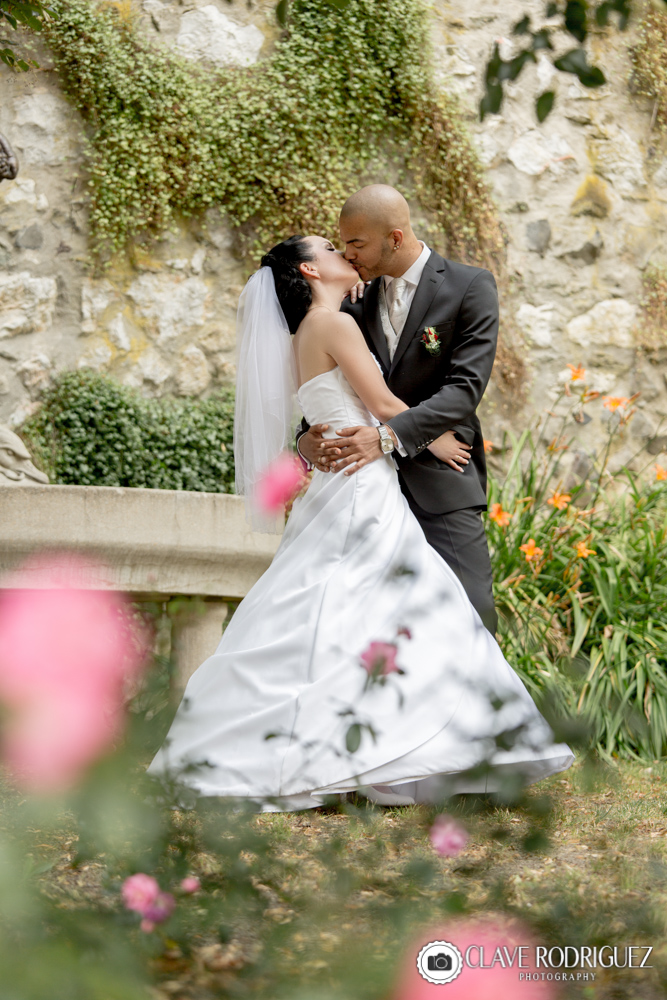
[329,398]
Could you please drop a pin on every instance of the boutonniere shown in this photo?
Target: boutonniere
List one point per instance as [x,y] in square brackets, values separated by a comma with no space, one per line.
[431,340]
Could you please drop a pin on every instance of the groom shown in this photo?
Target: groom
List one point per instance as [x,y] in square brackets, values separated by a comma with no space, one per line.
[413,288]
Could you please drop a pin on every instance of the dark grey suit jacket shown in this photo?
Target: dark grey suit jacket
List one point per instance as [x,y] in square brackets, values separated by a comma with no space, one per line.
[442,391]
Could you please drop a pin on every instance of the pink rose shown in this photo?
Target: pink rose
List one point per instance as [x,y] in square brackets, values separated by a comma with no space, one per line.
[160,910]
[281,480]
[68,647]
[380,659]
[190,884]
[139,892]
[447,836]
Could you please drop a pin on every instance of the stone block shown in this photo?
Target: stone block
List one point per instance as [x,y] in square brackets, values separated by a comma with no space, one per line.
[26,303]
[592,198]
[192,372]
[30,238]
[609,322]
[538,235]
[208,34]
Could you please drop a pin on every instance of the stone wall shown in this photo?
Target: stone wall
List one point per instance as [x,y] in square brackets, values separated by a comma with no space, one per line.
[582,197]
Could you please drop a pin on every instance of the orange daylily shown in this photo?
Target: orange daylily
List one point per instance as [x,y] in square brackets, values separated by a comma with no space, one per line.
[583,552]
[612,403]
[589,395]
[660,473]
[556,445]
[488,447]
[500,516]
[531,550]
[559,500]
[578,373]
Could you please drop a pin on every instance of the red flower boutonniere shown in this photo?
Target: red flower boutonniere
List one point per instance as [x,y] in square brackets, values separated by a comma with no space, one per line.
[431,340]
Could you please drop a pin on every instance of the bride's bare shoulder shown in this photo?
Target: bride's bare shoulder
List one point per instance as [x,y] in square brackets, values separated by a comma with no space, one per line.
[321,324]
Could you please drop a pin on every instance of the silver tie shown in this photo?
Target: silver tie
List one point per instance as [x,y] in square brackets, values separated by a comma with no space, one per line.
[397,309]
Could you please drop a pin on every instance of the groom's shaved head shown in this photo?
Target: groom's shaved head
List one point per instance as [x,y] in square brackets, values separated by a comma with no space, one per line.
[379,205]
[375,228]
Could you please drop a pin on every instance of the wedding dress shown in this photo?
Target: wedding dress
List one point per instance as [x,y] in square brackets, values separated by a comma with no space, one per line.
[354,567]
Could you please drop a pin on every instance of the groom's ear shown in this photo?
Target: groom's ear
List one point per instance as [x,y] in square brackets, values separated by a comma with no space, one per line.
[396,235]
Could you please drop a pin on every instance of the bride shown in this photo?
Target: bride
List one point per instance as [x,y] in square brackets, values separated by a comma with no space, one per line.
[356,662]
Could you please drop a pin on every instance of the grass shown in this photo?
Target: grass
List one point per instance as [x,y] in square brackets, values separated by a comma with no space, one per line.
[337,896]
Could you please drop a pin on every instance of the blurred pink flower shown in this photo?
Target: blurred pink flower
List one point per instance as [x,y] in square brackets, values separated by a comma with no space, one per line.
[67,648]
[477,983]
[142,894]
[139,892]
[447,836]
[191,884]
[161,909]
[380,658]
[281,480]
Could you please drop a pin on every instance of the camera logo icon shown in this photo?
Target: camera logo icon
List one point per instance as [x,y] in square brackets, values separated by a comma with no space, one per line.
[439,962]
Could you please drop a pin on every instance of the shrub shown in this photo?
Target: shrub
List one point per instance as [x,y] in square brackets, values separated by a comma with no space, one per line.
[92,431]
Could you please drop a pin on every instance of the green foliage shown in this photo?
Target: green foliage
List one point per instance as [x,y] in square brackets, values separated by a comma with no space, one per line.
[346,97]
[650,64]
[574,17]
[584,619]
[92,431]
[29,14]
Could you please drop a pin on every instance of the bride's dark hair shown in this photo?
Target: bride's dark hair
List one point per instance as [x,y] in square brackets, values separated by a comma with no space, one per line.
[293,290]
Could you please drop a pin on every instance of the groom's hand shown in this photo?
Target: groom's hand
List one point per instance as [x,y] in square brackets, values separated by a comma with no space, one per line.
[321,451]
[362,446]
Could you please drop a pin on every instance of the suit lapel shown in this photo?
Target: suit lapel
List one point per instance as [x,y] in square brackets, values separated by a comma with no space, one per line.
[431,280]
[374,323]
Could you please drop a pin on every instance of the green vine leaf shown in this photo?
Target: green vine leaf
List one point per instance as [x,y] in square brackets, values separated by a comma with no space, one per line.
[544,104]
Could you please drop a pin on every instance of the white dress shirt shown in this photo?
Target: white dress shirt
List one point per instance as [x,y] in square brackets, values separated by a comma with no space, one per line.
[398,312]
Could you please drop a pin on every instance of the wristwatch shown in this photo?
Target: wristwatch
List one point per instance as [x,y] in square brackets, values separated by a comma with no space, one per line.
[386,442]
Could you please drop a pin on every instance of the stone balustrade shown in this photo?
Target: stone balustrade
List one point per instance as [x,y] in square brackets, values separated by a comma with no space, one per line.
[155,545]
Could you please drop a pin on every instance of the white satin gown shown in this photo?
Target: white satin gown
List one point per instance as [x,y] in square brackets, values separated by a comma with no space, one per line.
[354,567]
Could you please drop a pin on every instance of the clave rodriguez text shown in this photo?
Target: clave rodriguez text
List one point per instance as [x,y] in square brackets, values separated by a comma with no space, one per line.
[569,957]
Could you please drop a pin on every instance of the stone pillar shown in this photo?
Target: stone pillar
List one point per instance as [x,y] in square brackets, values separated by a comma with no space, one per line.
[196,632]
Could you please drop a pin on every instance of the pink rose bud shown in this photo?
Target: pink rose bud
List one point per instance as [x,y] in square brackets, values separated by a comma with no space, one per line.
[380,658]
[147,926]
[281,480]
[191,884]
[448,837]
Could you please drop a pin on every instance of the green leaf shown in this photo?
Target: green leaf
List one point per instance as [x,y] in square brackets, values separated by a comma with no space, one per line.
[281,12]
[575,19]
[522,27]
[575,61]
[544,104]
[492,100]
[353,738]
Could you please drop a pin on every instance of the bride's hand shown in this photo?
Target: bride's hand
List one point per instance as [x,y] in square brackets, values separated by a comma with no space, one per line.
[450,450]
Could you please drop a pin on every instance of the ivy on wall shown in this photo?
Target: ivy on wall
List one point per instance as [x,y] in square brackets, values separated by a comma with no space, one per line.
[346,98]
[649,58]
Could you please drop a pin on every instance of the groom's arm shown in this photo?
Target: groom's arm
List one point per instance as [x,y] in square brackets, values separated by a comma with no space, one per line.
[470,369]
